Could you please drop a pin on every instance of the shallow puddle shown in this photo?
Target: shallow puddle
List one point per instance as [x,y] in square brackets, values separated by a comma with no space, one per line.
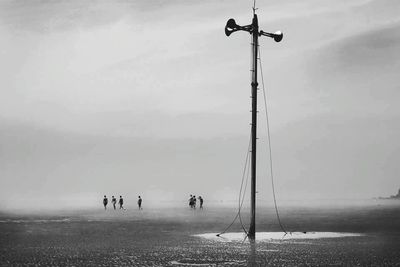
[270,236]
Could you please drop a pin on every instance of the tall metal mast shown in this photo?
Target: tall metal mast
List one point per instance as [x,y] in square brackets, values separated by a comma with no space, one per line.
[231,27]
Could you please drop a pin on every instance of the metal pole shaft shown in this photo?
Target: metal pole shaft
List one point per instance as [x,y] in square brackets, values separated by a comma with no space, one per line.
[254,85]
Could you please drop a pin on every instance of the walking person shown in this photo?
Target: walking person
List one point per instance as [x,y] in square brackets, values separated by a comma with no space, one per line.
[139,202]
[121,202]
[114,202]
[191,201]
[201,202]
[105,202]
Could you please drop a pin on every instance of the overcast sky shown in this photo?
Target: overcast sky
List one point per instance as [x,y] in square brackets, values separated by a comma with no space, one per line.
[150,97]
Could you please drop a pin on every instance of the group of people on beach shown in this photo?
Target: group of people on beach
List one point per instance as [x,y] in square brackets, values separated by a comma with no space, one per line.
[120,202]
[193,200]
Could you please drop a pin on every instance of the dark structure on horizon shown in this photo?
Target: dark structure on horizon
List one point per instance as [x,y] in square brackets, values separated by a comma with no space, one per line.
[392,196]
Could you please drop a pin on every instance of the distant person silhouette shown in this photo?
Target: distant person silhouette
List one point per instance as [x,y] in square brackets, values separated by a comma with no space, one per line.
[194,201]
[105,202]
[114,201]
[139,202]
[201,202]
[191,201]
[121,202]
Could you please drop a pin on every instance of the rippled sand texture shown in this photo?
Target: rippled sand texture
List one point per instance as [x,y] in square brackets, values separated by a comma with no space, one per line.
[164,237]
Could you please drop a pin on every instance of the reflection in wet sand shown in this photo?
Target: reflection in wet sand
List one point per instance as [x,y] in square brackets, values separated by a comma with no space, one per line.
[252,254]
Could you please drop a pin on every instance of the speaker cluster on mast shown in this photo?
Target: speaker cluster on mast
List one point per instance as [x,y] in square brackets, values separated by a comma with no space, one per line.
[230,28]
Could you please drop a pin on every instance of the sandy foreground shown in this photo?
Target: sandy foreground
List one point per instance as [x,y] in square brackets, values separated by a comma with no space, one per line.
[169,237]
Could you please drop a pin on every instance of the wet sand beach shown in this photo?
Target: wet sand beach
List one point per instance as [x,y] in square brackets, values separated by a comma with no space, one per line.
[165,237]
